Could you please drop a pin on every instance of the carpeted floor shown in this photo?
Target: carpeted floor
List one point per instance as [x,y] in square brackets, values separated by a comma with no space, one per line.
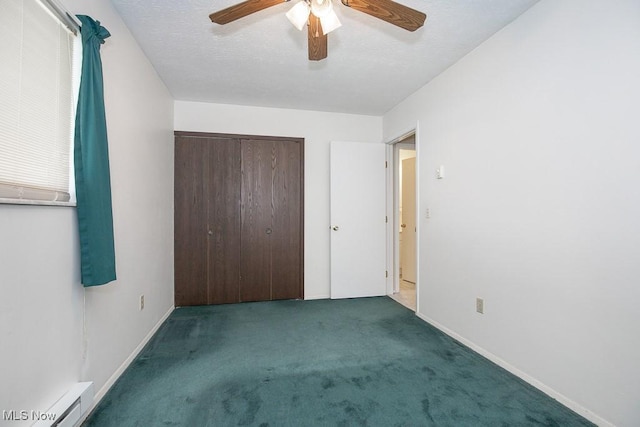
[358,362]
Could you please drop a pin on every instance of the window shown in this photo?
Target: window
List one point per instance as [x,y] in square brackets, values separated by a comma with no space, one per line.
[39,75]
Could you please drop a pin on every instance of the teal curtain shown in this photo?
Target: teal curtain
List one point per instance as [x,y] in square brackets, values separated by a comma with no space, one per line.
[91,156]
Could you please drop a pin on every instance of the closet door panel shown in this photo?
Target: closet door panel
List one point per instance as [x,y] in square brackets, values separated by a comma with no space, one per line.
[286,239]
[224,186]
[238,218]
[257,212]
[190,222]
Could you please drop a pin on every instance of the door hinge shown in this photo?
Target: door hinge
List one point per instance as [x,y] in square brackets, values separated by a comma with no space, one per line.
[386,273]
[386,164]
[386,219]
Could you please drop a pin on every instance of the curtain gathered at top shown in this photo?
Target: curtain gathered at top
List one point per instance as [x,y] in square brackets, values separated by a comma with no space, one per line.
[91,157]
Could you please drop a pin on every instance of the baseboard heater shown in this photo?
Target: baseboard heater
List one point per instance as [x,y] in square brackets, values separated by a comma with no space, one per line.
[67,411]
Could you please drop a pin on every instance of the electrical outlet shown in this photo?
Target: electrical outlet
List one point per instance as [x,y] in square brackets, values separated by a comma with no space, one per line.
[141,302]
[480,305]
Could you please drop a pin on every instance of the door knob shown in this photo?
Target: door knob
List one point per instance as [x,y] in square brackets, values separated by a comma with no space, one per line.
[210,233]
[335,228]
[268,231]
[403,225]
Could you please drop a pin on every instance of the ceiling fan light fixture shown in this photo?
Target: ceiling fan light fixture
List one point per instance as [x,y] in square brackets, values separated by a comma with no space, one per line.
[298,15]
[324,18]
[330,22]
[321,8]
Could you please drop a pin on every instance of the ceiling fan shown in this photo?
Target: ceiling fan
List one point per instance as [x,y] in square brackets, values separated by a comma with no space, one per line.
[321,19]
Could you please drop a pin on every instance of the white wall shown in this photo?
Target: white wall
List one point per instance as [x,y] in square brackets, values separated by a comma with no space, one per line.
[140,119]
[318,129]
[539,212]
[53,332]
[40,306]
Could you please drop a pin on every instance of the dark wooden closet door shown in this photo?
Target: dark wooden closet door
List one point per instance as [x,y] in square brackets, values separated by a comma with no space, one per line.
[190,221]
[257,213]
[286,239]
[238,218]
[223,191]
[207,220]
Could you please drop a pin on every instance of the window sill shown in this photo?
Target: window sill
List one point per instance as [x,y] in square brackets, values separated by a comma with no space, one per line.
[5,201]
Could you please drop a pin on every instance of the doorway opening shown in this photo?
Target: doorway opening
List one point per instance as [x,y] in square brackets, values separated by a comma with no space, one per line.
[405,226]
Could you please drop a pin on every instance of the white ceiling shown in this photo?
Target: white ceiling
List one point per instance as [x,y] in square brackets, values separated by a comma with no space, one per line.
[261,60]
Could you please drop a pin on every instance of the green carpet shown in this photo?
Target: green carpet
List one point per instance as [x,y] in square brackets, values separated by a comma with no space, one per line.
[358,362]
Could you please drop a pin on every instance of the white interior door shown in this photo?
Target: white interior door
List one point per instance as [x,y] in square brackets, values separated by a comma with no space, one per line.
[358,249]
[408,227]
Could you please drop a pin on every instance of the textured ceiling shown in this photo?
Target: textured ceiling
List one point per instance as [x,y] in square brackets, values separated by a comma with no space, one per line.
[261,60]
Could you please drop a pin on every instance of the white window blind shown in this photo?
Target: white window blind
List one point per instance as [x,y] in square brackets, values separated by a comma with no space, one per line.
[36,102]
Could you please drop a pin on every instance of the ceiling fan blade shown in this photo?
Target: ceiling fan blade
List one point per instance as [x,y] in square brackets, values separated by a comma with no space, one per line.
[241,10]
[389,11]
[317,41]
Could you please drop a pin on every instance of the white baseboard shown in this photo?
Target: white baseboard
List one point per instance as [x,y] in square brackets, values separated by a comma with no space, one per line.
[111,381]
[520,374]
[310,297]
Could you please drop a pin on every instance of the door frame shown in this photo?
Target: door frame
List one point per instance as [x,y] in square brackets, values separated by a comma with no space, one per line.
[393,208]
